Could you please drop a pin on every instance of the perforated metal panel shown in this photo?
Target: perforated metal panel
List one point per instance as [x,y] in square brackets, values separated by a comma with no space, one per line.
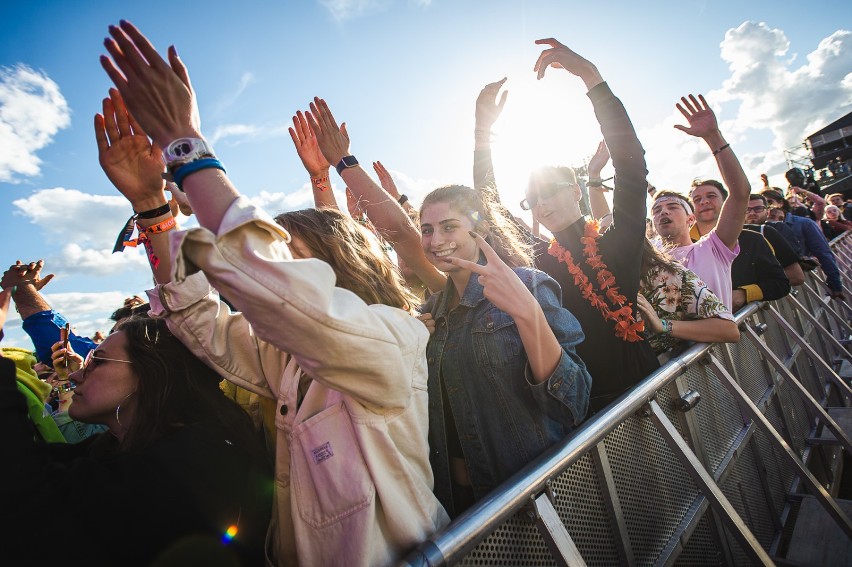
[702,549]
[719,418]
[654,489]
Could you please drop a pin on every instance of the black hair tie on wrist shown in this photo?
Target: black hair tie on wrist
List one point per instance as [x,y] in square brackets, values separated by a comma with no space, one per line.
[154,213]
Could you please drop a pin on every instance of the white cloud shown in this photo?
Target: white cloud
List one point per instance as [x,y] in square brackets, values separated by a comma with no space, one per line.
[32,111]
[94,221]
[276,203]
[236,134]
[764,92]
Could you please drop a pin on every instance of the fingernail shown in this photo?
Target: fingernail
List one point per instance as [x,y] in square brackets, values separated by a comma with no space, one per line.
[472,234]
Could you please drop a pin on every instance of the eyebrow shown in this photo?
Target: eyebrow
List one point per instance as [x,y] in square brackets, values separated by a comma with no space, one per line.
[442,223]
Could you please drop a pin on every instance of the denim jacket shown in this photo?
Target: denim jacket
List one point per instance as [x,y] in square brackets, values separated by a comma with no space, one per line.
[503,419]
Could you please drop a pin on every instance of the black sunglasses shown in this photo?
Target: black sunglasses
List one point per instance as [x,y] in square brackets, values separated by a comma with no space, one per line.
[543,191]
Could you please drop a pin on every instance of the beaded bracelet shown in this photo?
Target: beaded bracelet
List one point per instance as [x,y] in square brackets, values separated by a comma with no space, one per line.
[187,169]
[726,146]
[320,183]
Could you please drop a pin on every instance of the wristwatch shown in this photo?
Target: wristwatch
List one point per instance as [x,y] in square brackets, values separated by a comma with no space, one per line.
[185,150]
[346,162]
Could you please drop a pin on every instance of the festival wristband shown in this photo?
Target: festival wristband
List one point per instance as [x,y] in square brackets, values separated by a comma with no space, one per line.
[187,169]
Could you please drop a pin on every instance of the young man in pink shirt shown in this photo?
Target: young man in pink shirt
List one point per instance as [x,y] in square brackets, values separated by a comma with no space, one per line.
[673,214]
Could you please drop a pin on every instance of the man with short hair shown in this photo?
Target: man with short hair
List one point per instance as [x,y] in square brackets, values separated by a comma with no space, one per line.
[755,273]
[713,254]
[779,236]
[811,239]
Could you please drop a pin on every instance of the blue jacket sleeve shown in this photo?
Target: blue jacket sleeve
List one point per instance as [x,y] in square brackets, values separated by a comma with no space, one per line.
[43,328]
[570,384]
[816,243]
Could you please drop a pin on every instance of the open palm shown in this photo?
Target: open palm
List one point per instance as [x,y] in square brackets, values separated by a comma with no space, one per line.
[131,162]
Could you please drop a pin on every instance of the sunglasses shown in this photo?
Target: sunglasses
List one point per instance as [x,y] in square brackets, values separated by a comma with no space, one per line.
[91,356]
[544,191]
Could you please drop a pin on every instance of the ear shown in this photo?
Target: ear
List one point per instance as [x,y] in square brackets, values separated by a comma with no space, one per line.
[690,220]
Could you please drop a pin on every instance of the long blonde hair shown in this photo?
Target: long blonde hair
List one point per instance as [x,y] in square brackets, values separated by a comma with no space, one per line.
[354,253]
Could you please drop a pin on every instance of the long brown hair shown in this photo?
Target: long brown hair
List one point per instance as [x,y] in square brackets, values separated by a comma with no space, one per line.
[486,216]
[354,253]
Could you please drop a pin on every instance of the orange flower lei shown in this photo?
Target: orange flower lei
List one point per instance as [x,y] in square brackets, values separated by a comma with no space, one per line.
[627,328]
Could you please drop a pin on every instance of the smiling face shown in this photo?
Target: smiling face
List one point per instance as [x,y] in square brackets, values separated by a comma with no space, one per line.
[444,234]
[553,200]
[103,385]
[671,219]
[707,201]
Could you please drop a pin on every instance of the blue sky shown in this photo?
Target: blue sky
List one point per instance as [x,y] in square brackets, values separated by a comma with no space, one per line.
[404,75]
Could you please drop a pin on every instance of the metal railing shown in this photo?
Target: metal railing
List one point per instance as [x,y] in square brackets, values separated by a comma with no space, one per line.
[705,462]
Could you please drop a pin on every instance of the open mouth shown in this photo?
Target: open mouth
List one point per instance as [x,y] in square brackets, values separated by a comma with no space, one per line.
[664,221]
[444,253]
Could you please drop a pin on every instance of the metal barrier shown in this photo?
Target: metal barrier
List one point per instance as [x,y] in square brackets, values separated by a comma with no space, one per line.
[706,462]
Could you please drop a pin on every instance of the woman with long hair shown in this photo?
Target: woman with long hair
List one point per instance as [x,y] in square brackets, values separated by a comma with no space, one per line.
[321,326]
[180,467]
[505,381]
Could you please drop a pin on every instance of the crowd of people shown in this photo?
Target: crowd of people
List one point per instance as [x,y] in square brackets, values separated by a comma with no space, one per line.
[341,382]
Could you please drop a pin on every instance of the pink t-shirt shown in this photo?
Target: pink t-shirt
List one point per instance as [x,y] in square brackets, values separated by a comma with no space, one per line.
[711,260]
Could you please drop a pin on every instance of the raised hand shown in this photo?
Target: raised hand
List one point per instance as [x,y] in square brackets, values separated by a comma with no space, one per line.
[131,162]
[307,147]
[701,118]
[24,274]
[561,57]
[765,179]
[500,285]
[385,180]
[598,161]
[333,140]
[488,108]
[158,94]
[65,360]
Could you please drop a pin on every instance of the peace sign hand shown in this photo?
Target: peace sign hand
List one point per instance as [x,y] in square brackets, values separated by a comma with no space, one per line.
[501,286]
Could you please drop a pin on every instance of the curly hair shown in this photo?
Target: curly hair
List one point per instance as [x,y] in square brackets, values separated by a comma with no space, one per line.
[357,257]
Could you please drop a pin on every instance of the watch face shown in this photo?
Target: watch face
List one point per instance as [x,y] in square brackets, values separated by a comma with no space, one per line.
[181,148]
[350,161]
[187,149]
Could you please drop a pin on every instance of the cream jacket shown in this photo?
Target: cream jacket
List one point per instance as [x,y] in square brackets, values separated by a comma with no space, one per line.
[353,485]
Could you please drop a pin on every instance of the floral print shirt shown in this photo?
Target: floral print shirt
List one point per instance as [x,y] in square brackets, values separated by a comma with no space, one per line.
[679,295]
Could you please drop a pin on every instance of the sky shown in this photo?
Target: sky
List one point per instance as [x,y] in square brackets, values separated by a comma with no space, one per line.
[404,76]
